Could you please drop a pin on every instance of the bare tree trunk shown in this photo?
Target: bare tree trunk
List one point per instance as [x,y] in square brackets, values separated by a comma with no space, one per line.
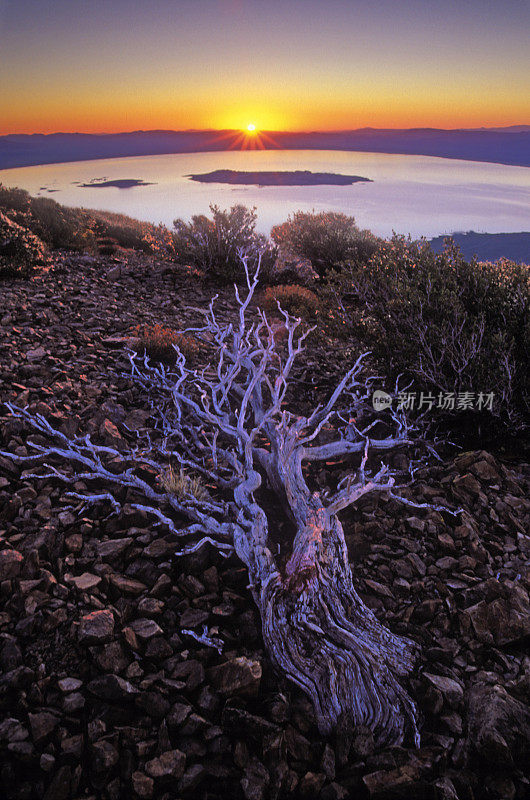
[230,426]
[319,632]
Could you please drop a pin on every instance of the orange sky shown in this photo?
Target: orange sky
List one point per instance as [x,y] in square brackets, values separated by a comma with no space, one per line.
[297,65]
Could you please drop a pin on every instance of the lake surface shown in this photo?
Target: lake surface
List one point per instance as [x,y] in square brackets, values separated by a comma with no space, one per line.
[420,195]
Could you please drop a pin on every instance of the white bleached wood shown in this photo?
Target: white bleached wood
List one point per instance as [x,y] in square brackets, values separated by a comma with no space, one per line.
[229,424]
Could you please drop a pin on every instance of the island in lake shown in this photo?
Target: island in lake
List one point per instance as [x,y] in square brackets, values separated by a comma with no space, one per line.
[121,183]
[295,178]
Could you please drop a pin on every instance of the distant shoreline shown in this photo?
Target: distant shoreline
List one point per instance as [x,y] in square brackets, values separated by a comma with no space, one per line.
[508,147]
[282,178]
[488,246]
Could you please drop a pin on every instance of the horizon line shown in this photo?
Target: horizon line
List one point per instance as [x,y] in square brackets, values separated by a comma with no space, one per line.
[483,128]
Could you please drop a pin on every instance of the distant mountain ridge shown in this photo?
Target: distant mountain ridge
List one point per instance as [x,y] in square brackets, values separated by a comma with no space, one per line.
[510,146]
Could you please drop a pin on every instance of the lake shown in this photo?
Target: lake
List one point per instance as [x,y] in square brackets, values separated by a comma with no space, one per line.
[420,195]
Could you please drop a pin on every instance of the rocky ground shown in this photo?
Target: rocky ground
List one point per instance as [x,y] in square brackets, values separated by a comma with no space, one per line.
[105,692]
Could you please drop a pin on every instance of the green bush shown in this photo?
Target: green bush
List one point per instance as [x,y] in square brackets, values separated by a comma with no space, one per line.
[21,252]
[214,244]
[448,324]
[325,238]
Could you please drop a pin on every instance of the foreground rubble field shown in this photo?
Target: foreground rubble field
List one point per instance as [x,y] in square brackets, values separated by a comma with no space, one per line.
[106,690]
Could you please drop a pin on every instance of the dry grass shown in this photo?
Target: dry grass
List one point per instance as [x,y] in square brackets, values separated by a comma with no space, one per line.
[297,300]
[182,485]
[159,342]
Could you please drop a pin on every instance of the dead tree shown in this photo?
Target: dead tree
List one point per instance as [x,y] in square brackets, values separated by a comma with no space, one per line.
[228,423]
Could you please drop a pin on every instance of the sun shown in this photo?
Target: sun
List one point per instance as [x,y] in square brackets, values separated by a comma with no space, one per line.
[251,128]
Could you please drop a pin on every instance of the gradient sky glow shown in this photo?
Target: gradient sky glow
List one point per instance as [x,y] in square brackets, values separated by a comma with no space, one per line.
[117,65]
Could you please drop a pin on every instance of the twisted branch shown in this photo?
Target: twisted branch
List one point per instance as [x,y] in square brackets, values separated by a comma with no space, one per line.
[228,423]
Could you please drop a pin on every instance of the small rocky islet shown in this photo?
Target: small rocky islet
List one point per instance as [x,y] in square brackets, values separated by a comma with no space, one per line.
[118,183]
[285,178]
[104,693]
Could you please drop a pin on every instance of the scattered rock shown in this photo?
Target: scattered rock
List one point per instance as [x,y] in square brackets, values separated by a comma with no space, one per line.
[499,727]
[191,779]
[10,564]
[255,781]
[145,628]
[113,547]
[76,693]
[311,784]
[168,765]
[505,619]
[239,676]
[69,684]
[450,690]
[59,788]
[11,730]
[85,582]
[401,782]
[42,725]
[96,627]
[112,688]
[143,785]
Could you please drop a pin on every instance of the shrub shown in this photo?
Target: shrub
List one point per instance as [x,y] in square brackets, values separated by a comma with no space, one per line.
[59,226]
[21,252]
[13,199]
[453,325]
[56,225]
[79,228]
[182,485]
[325,238]
[295,299]
[130,233]
[158,342]
[214,244]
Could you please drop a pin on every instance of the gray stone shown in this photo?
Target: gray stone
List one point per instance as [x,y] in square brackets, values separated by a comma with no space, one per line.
[10,564]
[112,688]
[191,778]
[11,730]
[168,765]
[145,628]
[42,725]
[142,785]
[96,627]
[239,676]
[255,781]
[498,727]
[503,620]
[451,691]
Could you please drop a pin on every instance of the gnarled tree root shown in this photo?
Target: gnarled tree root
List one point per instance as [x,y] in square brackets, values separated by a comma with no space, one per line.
[331,645]
[319,632]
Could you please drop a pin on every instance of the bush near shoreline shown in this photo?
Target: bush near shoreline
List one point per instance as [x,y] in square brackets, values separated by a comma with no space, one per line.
[80,229]
[439,323]
[110,690]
